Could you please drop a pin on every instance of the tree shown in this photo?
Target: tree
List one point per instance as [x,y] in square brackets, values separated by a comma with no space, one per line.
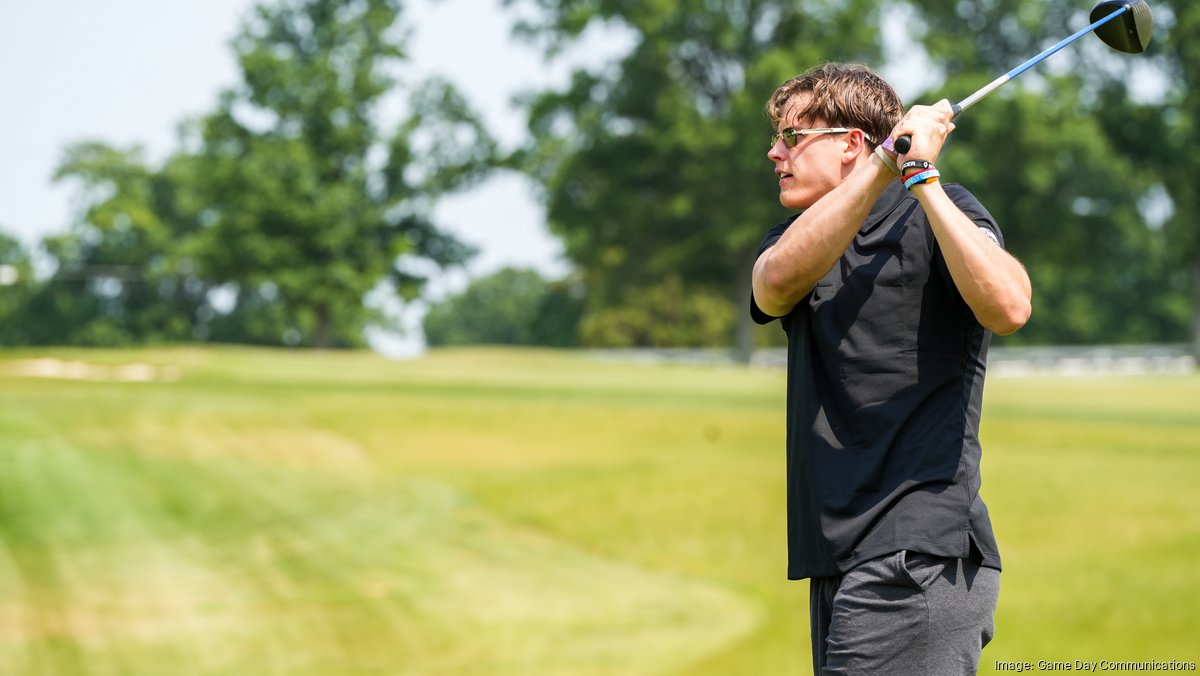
[509,307]
[1158,136]
[119,277]
[303,192]
[290,199]
[1077,164]
[16,287]
[655,167]
[647,172]
[663,315]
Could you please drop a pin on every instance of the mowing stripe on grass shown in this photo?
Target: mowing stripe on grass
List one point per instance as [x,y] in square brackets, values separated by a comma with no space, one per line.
[125,562]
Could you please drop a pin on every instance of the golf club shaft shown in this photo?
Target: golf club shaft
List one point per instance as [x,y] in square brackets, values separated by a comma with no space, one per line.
[904,143]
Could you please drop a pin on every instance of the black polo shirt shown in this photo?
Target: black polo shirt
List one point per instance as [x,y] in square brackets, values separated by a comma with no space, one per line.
[885,383]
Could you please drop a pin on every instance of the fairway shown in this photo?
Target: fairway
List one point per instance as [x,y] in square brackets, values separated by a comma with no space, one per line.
[513,512]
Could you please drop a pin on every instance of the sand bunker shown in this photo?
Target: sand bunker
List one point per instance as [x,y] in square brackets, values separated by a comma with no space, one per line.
[79,370]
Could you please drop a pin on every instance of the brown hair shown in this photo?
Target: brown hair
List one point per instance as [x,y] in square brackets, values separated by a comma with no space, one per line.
[842,95]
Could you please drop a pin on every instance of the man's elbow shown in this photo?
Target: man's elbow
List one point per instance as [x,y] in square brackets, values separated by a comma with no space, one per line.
[773,290]
[1010,317]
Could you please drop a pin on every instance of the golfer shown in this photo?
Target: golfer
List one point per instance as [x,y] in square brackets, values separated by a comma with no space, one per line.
[889,284]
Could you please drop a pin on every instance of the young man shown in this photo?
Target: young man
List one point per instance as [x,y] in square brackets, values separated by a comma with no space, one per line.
[889,295]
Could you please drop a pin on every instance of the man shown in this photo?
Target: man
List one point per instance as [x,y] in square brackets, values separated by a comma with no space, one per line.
[889,296]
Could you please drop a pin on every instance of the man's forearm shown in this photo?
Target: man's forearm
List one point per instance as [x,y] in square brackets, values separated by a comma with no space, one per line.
[787,271]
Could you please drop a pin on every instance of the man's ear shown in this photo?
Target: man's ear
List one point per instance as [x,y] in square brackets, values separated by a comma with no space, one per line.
[856,144]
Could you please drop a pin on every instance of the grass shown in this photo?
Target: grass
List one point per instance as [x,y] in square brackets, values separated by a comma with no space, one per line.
[489,512]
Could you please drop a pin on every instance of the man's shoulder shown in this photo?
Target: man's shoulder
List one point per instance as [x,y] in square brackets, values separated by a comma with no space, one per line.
[957,192]
[775,232]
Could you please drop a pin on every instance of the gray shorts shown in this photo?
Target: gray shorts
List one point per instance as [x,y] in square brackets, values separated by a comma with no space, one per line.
[904,613]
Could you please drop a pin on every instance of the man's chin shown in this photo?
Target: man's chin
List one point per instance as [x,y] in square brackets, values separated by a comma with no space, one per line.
[790,202]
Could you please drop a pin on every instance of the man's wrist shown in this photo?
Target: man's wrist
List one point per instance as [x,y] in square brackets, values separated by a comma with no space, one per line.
[878,177]
[887,159]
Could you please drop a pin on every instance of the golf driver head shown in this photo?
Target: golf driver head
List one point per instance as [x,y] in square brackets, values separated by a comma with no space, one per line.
[1130,32]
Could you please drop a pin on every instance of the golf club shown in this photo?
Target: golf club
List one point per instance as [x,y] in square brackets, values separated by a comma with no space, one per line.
[1130,35]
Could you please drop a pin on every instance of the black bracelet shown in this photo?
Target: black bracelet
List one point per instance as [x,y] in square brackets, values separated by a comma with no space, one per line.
[916,164]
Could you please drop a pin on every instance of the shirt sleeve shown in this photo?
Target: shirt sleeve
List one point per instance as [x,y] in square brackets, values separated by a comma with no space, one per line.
[768,241]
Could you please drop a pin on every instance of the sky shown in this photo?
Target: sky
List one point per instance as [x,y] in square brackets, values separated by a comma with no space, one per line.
[127,72]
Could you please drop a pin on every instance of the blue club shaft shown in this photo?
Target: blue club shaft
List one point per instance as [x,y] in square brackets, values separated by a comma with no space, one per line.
[974,98]
[903,143]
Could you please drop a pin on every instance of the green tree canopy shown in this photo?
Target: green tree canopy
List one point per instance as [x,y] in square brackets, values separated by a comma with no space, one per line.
[1159,136]
[16,287]
[1069,158]
[661,315]
[120,276]
[650,169]
[509,307]
[655,166]
[305,194]
[291,201]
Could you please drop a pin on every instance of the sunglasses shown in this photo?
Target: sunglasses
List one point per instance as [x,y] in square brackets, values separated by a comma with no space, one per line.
[792,136]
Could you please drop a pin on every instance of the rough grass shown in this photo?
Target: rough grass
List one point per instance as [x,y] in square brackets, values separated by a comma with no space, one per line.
[492,512]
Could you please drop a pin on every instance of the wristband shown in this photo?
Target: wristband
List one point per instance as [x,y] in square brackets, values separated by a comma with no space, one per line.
[888,161]
[927,176]
[916,164]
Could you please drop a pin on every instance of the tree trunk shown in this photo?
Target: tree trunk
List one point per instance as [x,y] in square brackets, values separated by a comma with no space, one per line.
[743,346]
[324,326]
[1195,270]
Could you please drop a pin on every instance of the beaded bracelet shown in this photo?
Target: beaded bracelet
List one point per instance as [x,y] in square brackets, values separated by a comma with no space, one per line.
[927,176]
